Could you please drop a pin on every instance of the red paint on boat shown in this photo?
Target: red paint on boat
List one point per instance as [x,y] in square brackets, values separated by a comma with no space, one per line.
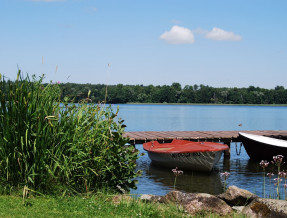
[183,146]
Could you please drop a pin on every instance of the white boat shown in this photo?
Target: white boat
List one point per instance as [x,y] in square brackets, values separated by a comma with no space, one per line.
[261,147]
[197,156]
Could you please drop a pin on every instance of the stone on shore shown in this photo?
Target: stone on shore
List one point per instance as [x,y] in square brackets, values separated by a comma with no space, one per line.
[233,200]
[150,198]
[261,207]
[117,199]
[238,209]
[235,196]
[197,202]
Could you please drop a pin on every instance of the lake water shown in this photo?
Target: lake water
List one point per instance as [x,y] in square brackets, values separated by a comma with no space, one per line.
[243,172]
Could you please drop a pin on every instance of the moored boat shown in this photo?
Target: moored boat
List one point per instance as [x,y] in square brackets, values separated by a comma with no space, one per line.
[262,147]
[197,156]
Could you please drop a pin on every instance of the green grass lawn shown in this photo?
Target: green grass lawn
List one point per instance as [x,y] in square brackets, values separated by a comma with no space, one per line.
[95,206]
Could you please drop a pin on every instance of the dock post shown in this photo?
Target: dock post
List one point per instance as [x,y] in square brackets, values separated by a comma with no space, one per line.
[227,152]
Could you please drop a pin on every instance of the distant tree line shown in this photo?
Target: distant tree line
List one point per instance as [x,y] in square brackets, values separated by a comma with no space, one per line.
[174,94]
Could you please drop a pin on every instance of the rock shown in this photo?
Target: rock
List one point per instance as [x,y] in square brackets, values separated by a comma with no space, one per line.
[175,196]
[235,196]
[238,209]
[119,198]
[261,207]
[197,202]
[150,198]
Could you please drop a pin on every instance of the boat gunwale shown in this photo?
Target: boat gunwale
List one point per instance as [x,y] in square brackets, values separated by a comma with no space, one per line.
[262,139]
[171,148]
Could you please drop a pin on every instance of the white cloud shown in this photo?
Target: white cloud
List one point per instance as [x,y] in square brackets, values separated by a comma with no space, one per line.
[178,35]
[220,34]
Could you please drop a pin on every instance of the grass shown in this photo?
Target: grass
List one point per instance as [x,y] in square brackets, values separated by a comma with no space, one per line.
[95,206]
[98,205]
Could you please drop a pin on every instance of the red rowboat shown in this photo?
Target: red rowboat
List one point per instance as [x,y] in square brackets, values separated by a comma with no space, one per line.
[197,156]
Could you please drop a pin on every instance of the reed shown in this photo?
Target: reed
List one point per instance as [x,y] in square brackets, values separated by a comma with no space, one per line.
[26,113]
[91,151]
[51,146]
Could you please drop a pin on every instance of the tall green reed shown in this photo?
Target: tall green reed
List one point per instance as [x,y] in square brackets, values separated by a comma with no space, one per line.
[51,146]
[92,153]
[26,111]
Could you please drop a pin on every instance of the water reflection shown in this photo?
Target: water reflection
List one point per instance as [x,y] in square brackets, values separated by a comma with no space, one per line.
[188,182]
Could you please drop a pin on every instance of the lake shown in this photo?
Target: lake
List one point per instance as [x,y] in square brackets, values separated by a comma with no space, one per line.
[243,172]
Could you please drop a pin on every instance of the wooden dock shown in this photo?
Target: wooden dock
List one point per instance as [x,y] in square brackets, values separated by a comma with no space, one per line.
[216,136]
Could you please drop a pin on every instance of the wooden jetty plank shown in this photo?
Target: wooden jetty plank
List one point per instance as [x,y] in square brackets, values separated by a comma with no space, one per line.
[224,134]
[178,134]
[141,136]
[155,135]
[167,135]
[186,135]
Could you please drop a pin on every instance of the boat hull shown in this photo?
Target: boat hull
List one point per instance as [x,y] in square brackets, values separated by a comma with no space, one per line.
[196,161]
[258,150]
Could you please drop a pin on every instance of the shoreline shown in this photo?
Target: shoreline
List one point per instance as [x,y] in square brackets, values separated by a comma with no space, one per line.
[206,104]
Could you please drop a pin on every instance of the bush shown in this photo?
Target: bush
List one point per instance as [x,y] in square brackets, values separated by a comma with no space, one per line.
[48,146]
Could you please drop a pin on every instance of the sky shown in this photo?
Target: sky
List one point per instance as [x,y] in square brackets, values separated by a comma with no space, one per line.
[219,43]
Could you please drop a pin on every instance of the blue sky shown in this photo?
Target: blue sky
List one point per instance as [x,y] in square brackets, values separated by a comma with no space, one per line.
[220,43]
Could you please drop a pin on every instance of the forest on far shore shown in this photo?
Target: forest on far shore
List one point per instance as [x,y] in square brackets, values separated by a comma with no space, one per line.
[175,93]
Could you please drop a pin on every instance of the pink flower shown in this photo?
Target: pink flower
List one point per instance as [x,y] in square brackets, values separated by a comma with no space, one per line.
[282,174]
[225,175]
[277,181]
[177,172]
[277,160]
[264,164]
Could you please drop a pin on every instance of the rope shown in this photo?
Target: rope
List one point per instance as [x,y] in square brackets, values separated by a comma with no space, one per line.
[238,152]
